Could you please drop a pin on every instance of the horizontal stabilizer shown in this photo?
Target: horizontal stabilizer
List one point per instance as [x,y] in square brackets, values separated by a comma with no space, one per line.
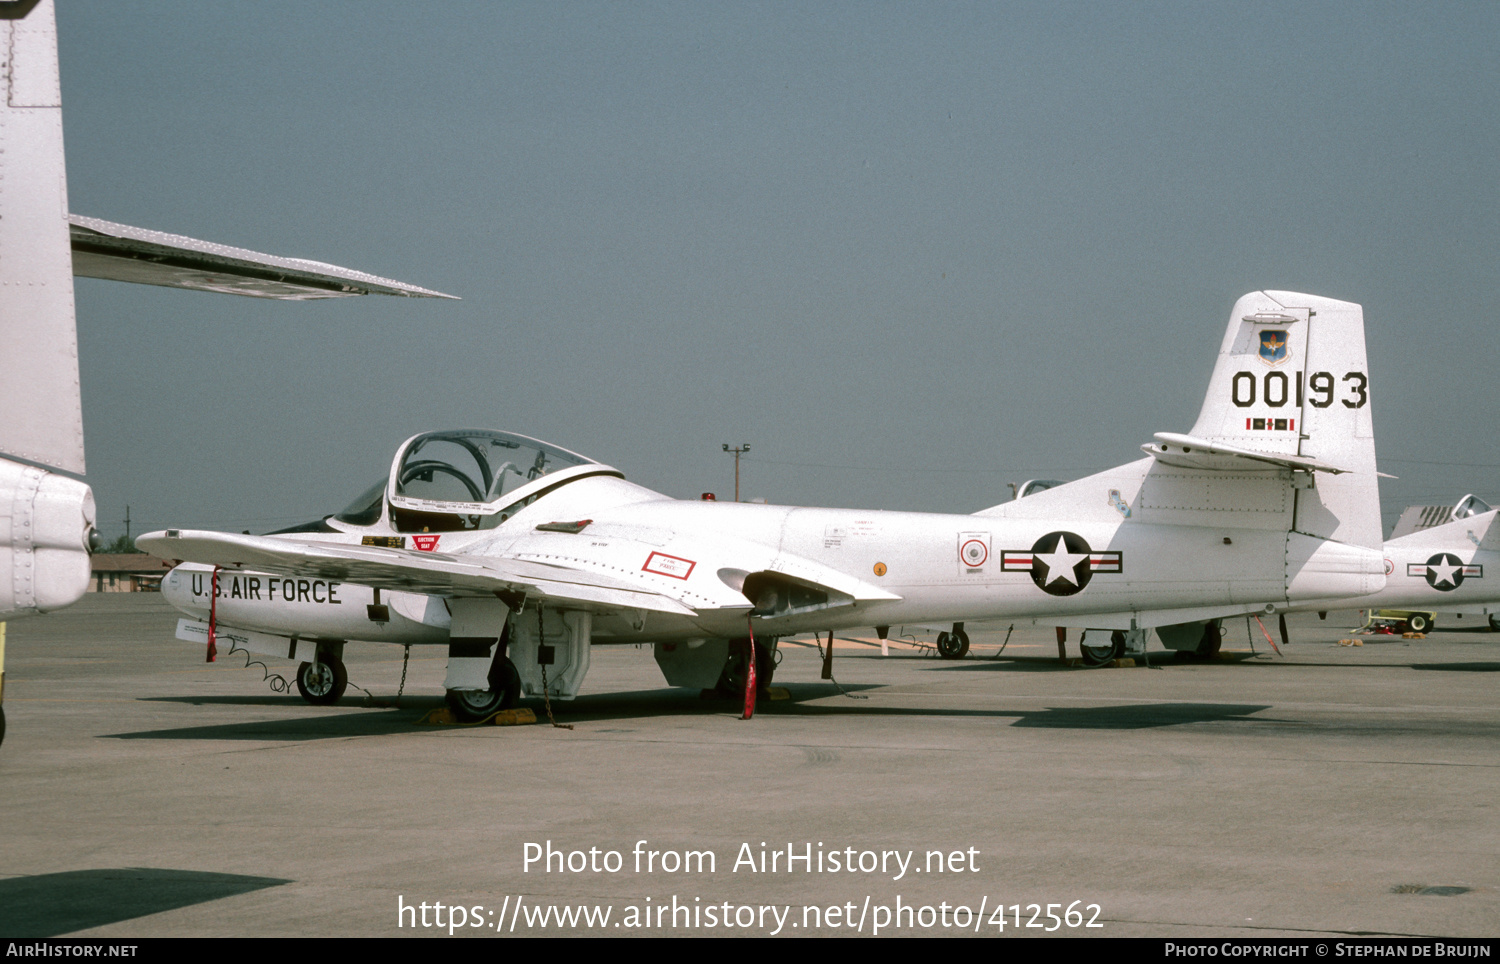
[1190,452]
[404,570]
[118,252]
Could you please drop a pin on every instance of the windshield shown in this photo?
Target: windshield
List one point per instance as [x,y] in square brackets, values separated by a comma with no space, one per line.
[365,509]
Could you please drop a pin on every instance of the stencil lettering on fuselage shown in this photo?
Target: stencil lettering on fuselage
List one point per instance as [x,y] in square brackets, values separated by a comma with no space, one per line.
[267,589]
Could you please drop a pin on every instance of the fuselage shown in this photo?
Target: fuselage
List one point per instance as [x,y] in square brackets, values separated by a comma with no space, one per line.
[843,568]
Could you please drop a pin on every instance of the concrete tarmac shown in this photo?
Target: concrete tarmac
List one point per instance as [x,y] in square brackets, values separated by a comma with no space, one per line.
[1326,791]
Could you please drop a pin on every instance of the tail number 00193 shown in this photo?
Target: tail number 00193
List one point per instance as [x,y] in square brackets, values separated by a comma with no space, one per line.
[1275,389]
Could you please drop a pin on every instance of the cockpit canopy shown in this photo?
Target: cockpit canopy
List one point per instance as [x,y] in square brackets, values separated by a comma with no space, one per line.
[1470,505]
[471,469]
[463,479]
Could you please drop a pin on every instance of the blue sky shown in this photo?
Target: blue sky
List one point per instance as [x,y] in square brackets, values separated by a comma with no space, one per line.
[909,253]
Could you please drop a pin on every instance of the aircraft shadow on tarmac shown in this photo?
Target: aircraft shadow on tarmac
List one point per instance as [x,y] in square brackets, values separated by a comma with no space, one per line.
[1459,667]
[1163,661]
[50,905]
[1134,716]
[335,727]
[1050,664]
[650,704]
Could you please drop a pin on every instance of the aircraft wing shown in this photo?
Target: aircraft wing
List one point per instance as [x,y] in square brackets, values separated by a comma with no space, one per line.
[405,570]
[119,252]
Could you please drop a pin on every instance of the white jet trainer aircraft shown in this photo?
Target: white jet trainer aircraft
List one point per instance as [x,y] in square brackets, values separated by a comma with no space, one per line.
[1450,567]
[519,555]
[46,510]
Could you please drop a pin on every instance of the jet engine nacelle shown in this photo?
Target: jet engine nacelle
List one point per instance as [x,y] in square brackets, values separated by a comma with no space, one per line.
[46,523]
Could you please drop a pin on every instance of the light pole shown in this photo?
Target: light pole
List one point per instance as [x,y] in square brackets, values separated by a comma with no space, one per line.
[737,450]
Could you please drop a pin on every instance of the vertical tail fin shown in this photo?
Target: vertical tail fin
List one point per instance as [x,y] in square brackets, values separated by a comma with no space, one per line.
[41,420]
[1292,380]
[45,519]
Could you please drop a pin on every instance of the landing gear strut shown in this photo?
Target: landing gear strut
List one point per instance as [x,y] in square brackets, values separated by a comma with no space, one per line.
[954,645]
[322,681]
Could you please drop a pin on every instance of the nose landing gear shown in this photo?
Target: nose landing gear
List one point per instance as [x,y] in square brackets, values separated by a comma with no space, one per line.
[322,681]
[955,644]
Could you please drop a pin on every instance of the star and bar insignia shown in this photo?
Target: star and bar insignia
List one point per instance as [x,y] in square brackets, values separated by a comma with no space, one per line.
[1061,563]
[1445,572]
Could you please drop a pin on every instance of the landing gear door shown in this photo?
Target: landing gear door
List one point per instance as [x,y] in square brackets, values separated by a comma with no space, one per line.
[549,645]
[477,627]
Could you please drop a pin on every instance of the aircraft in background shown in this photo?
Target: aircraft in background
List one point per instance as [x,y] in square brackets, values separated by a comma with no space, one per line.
[519,555]
[46,510]
[1435,562]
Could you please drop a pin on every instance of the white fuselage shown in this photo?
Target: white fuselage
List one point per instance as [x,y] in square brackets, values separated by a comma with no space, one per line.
[893,567]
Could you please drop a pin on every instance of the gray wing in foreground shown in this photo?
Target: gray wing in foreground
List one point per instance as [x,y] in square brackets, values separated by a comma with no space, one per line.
[405,570]
[119,252]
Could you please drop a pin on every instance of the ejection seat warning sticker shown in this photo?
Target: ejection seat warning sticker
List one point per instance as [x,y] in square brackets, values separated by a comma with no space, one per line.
[425,543]
[973,551]
[665,565]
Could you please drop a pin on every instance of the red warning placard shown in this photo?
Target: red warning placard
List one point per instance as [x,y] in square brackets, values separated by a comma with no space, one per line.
[665,565]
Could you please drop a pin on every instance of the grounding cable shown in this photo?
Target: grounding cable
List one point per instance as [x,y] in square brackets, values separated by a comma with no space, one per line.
[819,640]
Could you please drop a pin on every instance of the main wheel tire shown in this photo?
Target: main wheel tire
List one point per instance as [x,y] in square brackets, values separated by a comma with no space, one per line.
[471,706]
[732,680]
[1103,655]
[322,681]
[949,646]
[1419,622]
[1495,624]
[963,643]
[2,724]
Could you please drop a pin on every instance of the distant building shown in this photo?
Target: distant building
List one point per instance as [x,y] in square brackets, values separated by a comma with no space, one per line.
[127,572]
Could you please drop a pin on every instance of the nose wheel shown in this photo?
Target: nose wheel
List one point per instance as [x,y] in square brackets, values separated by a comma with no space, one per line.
[954,645]
[322,681]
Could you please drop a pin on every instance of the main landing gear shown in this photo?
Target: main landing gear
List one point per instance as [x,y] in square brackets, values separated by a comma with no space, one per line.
[322,681]
[1102,655]
[953,645]
[732,681]
[471,706]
